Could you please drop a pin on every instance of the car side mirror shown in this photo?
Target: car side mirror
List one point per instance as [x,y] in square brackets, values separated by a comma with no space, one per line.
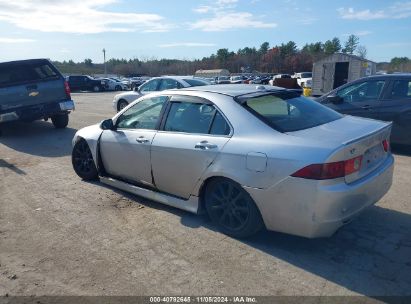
[136,89]
[335,99]
[107,124]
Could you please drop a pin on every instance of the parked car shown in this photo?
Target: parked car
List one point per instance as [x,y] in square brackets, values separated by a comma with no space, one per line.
[248,155]
[32,90]
[303,78]
[279,76]
[237,79]
[86,83]
[222,80]
[383,97]
[156,84]
[112,84]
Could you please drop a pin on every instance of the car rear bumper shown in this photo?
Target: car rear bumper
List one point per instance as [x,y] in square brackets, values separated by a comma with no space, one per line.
[314,209]
[39,111]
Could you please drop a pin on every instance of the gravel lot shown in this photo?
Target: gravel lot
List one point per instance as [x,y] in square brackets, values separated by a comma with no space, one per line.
[62,236]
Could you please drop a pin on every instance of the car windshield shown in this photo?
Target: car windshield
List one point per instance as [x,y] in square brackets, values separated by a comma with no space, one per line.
[306,75]
[288,112]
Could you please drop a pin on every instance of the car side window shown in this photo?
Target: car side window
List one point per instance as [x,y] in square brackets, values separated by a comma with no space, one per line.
[169,84]
[150,86]
[362,91]
[401,89]
[143,115]
[195,118]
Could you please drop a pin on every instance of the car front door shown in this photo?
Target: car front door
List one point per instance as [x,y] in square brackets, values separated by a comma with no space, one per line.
[190,138]
[396,107]
[125,151]
[360,99]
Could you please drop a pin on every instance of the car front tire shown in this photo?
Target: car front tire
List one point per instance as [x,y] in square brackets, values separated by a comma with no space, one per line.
[232,209]
[96,89]
[121,105]
[82,161]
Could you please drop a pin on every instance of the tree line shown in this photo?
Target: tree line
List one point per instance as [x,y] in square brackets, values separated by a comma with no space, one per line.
[283,58]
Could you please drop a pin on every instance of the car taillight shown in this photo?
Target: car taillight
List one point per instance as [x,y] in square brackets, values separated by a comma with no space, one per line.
[386,145]
[67,90]
[353,165]
[330,170]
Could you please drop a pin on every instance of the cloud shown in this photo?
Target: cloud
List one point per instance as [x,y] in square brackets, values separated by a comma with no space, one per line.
[225,2]
[228,21]
[186,44]
[224,16]
[77,16]
[15,40]
[359,33]
[350,13]
[203,9]
[399,10]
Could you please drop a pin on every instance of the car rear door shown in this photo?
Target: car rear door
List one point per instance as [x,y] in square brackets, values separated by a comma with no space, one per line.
[396,107]
[125,152]
[191,136]
[360,98]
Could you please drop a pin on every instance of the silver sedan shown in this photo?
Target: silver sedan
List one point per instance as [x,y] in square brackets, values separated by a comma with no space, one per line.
[251,157]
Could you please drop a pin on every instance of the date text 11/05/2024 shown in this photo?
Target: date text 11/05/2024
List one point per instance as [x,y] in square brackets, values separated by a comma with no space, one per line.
[205,299]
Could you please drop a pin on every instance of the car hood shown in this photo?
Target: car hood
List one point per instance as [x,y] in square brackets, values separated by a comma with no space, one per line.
[341,131]
[128,95]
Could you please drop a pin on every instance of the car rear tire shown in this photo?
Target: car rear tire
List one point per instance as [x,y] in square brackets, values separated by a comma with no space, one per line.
[60,121]
[82,160]
[231,208]
[96,89]
[121,105]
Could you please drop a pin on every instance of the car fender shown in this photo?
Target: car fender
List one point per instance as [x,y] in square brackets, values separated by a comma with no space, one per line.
[91,135]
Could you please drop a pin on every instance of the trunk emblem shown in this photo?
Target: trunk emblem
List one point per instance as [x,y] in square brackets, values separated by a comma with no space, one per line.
[352,151]
[33,94]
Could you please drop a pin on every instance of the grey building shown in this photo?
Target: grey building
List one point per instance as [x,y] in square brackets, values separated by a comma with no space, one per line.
[338,69]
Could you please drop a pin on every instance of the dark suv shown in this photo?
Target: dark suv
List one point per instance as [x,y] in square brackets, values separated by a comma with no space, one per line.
[32,90]
[383,97]
[86,83]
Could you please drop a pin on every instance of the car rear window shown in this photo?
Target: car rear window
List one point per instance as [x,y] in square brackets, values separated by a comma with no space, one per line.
[25,72]
[288,112]
[196,82]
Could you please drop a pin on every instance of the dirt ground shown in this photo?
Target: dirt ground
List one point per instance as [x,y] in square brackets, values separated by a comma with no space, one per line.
[62,236]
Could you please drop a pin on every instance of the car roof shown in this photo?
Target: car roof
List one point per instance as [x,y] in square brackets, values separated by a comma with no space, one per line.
[386,76]
[235,90]
[24,61]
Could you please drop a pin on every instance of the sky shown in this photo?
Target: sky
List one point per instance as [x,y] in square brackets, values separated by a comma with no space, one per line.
[192,29]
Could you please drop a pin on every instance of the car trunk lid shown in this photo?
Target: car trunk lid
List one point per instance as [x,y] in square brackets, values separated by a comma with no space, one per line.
[352,137]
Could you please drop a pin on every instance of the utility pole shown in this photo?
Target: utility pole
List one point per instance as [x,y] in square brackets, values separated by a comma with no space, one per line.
[105,67]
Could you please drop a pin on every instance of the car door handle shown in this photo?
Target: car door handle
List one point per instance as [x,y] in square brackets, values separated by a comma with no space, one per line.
[366,107]
[142,140]
[205,145]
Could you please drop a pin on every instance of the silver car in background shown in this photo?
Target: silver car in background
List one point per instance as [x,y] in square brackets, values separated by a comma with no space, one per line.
[251,157]
[156,84]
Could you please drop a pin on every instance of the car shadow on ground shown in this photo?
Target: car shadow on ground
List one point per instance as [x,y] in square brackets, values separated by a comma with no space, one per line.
[370,256]
[403,150]
[38,138]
